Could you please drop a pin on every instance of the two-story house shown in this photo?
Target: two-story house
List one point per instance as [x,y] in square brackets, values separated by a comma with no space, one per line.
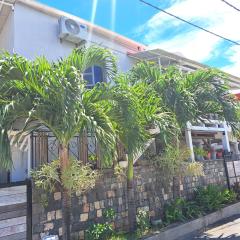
[31,29]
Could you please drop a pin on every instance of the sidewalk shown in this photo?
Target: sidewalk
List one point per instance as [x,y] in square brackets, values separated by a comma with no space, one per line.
[228,229]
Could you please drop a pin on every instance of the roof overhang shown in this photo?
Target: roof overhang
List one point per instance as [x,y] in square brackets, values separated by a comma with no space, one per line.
[128,43]
[165,58]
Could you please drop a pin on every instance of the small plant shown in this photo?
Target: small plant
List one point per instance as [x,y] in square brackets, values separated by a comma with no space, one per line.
[191,210]
[194,169]
[173,161]
[47,177]
[212,197]
[109,214]
[229,196]
[200,151]
[143,222]
[181,210]
[119,171]
[77,177]
[43,200]
[102,231]
[92,158]
[174,211]
[99,231]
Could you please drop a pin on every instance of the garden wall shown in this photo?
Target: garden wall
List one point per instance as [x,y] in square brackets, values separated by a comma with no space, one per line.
[151,193]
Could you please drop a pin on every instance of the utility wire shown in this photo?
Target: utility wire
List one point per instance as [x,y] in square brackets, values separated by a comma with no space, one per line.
[190,23]
[229,4]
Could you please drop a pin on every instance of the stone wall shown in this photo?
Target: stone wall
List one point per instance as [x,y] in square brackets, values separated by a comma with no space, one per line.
[110,192]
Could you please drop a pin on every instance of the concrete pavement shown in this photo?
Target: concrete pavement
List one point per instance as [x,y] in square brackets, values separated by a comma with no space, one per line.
[228,229]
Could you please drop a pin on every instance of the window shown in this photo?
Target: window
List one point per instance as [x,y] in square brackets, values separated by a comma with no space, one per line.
[93,75]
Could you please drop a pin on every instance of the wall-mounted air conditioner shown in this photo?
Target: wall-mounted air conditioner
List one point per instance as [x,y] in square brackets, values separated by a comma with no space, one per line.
[72,31]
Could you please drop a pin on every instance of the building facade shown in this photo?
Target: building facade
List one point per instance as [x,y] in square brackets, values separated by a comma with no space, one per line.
[32,29]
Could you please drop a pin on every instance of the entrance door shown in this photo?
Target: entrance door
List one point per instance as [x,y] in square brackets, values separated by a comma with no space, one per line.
[19,170]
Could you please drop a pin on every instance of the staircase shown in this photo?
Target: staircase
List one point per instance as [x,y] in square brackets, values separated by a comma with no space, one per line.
[13,213]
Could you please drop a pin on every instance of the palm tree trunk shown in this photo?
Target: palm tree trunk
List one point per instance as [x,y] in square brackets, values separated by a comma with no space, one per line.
[131,197]
[66,198]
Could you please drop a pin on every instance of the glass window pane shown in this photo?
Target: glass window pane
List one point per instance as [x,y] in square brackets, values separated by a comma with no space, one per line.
[98,75]
[88,78]
[88,70]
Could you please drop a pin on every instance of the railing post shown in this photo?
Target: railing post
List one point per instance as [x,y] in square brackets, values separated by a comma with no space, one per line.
[29,209]
[84,147]
[226,170]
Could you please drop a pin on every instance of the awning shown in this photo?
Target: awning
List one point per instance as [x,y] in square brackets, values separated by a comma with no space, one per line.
[165,58]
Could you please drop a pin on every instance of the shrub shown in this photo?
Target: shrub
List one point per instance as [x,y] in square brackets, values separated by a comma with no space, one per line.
[109,214]
[191,210]
[174,211]
[77,177]
[181,210]
[143,221]
[229,196]
[209,198]
[100,231]
[194,169]
[212,197]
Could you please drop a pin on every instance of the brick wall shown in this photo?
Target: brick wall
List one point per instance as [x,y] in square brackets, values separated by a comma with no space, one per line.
[110,192]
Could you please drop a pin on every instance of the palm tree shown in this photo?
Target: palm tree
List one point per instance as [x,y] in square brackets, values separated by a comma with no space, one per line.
[190,96]
[136,108]
[55,95]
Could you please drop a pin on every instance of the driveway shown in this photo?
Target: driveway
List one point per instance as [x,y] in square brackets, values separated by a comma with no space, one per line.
[229,230]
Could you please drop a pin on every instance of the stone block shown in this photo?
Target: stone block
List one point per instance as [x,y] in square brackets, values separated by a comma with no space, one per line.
[58,214]
[81,235]
[83,217]
[110,194]
[48,226]
[86,208]
[51,215]
[97,205]
[101,204]
[99,213]
[60,231]
[120,201]
[57,196]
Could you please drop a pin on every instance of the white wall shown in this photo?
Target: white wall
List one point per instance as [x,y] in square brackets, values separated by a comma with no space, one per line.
[36,34]
[7,34]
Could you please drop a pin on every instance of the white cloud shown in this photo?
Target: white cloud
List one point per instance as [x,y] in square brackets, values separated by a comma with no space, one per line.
[234,58]
[195,44]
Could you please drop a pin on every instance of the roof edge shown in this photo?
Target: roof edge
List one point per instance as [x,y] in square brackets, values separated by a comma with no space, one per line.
[131,44]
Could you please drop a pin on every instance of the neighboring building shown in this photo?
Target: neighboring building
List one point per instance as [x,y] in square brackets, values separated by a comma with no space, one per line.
[32,29]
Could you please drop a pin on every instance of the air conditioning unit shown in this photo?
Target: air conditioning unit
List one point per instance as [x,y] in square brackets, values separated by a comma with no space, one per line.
[72,31]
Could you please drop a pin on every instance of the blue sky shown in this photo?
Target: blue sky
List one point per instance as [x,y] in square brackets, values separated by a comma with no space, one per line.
[144,24]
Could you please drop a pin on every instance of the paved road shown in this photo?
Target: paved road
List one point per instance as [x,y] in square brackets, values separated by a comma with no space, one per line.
[229,230]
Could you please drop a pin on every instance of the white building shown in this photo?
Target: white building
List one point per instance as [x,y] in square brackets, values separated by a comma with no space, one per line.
[32,29]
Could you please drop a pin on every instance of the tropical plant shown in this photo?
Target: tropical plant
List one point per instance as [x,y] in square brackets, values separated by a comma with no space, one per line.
[55,95]
[209,198]
[143,222]
[174,211]
[136,108]
[190,96]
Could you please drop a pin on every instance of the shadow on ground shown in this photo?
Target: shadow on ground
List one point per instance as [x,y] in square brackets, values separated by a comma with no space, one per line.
[231,237]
